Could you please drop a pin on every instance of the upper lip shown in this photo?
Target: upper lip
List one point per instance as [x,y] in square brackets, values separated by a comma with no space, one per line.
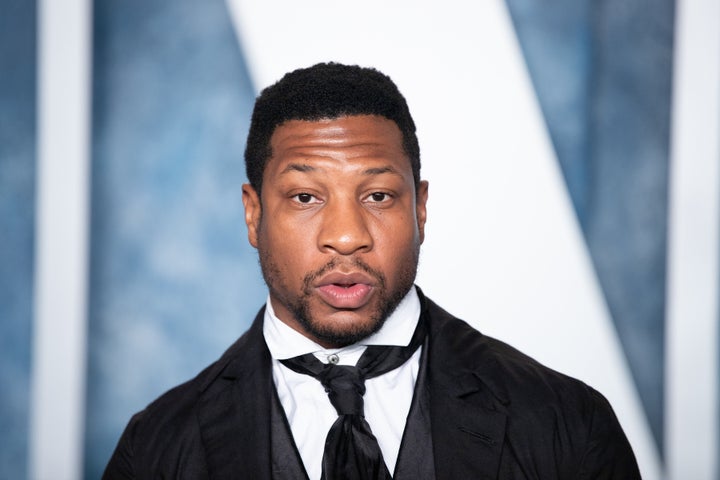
[339,278]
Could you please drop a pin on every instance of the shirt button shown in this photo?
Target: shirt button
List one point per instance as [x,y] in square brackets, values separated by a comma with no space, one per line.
[334,359]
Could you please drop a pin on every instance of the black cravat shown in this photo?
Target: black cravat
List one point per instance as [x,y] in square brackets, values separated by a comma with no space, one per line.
[351,450]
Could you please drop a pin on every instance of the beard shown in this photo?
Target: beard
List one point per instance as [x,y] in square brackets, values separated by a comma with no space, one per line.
[341,335]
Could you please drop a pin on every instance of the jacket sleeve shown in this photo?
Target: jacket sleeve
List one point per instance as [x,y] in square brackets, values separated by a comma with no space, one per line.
[608,455]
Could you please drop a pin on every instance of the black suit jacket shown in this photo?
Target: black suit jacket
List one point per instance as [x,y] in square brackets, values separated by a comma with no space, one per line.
[495,414]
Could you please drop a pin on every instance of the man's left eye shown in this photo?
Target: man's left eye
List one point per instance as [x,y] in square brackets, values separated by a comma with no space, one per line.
[305,198]
[378,197]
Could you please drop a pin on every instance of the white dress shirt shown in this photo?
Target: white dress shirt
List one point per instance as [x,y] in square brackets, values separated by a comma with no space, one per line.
[307,407]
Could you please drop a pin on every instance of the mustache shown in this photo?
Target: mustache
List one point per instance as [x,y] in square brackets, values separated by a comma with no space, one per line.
[334,263]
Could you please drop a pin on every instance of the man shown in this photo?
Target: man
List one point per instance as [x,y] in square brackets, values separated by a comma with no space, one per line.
[349,371]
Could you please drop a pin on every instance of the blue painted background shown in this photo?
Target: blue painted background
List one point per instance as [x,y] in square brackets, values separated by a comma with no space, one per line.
[17,229]
[173,280]
[602,71]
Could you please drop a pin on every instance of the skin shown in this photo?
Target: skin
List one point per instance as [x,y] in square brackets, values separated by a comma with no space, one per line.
[339,225]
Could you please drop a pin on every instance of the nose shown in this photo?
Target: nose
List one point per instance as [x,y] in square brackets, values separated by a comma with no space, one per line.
[344,229]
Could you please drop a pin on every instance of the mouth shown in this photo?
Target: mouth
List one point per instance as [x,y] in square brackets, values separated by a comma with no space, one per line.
[347,291]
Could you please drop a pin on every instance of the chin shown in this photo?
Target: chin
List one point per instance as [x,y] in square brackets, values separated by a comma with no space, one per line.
[343,332]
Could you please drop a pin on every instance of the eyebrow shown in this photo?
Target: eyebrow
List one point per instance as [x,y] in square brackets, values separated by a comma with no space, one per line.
[305,168]
[380,170]
[298,167]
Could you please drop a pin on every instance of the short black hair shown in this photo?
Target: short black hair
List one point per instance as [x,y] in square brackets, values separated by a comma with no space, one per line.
[326,91]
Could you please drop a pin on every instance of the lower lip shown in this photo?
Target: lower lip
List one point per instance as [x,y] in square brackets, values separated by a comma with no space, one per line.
[339,296]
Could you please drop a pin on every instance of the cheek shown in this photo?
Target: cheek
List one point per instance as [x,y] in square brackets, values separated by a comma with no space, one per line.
[396,246]
[288,250]
[398,235]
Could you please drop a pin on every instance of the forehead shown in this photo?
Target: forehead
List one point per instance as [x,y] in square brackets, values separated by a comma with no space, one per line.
[350,137]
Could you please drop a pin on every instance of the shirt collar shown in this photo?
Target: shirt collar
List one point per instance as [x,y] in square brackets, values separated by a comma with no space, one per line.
[285,342]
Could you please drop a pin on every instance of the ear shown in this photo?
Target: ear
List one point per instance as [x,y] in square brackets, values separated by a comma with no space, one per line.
[421,207]
[253,211]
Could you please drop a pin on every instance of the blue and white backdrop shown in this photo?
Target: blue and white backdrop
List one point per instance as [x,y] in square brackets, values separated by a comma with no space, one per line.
[571,147]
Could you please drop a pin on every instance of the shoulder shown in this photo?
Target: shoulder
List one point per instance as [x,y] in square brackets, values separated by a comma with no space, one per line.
[508,372]
[168,429]
[178,404]
[546,411]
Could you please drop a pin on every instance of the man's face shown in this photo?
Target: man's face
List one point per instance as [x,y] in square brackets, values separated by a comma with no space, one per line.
[339,225]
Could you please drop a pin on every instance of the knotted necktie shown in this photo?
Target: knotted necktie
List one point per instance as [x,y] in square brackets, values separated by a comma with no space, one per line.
[351,450]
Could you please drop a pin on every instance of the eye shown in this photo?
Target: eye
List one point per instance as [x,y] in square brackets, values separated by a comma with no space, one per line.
[378,197]
[306,198]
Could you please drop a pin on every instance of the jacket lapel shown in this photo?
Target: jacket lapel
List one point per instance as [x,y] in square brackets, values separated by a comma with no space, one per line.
[234,414]
[467,412]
